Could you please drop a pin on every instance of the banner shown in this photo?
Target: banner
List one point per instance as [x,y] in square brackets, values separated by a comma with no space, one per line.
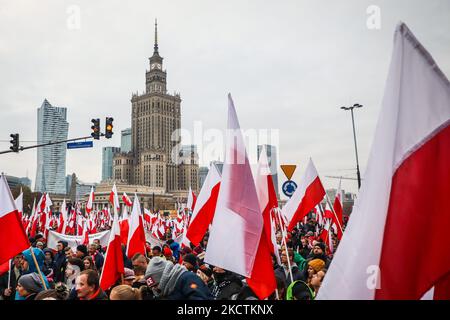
[74,241]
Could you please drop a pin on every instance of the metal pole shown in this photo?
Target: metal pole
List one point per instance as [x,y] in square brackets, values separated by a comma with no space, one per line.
[47,144]
[356,151]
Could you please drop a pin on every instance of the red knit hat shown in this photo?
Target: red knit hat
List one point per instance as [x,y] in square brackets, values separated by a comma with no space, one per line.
[167,252]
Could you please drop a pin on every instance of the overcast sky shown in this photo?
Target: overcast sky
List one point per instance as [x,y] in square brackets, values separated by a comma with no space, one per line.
[289,65]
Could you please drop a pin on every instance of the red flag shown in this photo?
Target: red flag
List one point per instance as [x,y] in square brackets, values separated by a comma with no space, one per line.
[405,190]
[113,266]
[114,197]
[12,234]
[308,194]
[205,207]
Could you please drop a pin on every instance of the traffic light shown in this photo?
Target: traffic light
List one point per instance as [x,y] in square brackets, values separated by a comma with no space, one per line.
[95,129]
[109,127]
[14,142]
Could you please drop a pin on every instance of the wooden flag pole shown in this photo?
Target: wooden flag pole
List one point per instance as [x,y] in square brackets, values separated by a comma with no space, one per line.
[284,234]
[38,269]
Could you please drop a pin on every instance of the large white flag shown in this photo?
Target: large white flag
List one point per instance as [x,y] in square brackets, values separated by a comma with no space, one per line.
[405,190]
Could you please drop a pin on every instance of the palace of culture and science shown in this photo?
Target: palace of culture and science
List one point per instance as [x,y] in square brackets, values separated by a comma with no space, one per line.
[157,161]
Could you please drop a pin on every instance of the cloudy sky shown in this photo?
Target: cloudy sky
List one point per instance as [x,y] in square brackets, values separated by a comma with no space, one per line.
[290,66]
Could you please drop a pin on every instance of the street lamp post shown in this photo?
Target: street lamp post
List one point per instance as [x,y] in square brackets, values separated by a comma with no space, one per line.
[356,105]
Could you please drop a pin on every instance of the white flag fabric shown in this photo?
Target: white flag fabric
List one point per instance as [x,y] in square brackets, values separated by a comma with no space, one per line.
[236,229]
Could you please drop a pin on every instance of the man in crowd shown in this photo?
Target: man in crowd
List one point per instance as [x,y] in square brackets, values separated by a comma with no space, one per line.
[97,257]
[88,286]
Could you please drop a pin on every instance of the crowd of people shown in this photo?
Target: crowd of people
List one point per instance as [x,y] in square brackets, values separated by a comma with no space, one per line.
[164,272]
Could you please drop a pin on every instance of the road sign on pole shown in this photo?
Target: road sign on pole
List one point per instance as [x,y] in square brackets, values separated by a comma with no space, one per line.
[289,188]
[78,145]
[288,170]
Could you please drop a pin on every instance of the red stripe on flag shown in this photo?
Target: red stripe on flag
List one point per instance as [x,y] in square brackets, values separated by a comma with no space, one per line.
[204,217]
[313,195]
[418,204]
[12,236]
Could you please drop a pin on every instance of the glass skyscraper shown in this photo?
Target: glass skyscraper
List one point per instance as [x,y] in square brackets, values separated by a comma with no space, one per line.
[107,162]
[52,125]
[125,141]
[271,152]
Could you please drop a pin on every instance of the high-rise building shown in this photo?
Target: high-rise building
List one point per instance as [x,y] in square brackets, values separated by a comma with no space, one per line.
[271,152]
[107,162]
[202,173]
[154,159]
[52,125]
[16,181]
[125,140]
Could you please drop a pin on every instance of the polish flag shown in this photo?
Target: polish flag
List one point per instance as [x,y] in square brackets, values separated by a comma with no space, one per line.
[262,280]
[136,233]
[90,202]
[113,266]
[191,200]
[405,190]
[126,200]
[85,234]
[238,223]
[205,207]
[114,198]
[19,204]
[337,206]
[308,194]
[124,224]
[12,234]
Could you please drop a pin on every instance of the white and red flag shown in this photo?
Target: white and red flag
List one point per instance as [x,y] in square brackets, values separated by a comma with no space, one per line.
[191,200]
[126,200]
[338,217]
[404,192]
[19,204]
[307,195]
[90,202]
[114,199]
[12,233]
[262,280]
[113,266]
[124,224]
[205,207]
[238,223]
[85,234]
[136,234]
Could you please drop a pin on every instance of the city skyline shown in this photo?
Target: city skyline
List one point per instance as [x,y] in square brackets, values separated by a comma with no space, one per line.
[277,71]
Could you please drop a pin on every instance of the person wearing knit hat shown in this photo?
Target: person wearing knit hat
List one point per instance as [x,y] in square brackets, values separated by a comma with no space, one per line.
[128,277]
[190,262]
[168,254]
[29,285]
[174,282]
[316,265]
[205,273]
[155,270]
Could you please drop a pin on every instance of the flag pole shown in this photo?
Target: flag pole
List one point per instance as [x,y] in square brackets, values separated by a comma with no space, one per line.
[9,275]
[283,232]
[37,267]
